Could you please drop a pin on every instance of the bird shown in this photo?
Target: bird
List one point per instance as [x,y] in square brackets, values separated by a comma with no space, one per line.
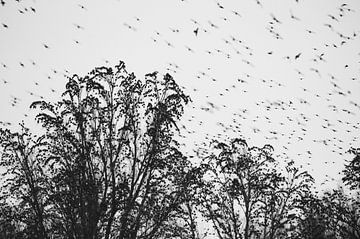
[333,17]
[236,13]
[293,16]
[82,7]
[219,5]
[274,18]
[189,49]
[78,26]
[196,31]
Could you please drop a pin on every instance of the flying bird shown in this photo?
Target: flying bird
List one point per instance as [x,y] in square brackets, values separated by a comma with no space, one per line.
[196,31]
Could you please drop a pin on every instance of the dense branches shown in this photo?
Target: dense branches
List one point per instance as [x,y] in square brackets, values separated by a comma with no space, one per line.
[352,170]
[246,196]
[109,164]
[106,165]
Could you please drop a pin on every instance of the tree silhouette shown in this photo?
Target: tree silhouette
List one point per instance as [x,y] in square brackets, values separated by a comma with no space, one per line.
[315,220]
[281,204]
[245,196]
[24,185]
[335,214]
[343,214]
[107,165]
[352,170]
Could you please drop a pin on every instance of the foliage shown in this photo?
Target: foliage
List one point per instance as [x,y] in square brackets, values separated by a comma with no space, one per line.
[333,215]
[352,170]
[314,221]
[336,214]
[343,212]
[107,165]
[245,196]
[24,182]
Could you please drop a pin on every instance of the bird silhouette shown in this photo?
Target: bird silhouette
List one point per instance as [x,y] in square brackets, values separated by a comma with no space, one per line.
[196,31]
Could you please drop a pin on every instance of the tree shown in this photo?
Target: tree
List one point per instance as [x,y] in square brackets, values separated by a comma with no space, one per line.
[336,214]
[281,204]
[315,219]
[333,215]
[107,165]
[343,212]
[9,228]
[352,170]
[246,196]
[24,184]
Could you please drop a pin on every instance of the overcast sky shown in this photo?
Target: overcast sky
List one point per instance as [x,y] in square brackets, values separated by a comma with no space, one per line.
[280,72]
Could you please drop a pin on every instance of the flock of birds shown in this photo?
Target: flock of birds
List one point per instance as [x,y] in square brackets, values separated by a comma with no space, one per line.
[247,77]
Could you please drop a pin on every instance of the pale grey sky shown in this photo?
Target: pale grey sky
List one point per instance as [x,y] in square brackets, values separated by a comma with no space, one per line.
[235,69]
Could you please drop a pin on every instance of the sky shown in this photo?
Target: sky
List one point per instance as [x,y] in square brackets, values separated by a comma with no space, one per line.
[279,72]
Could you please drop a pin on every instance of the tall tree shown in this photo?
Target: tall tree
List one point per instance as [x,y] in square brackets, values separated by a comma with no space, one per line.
[246,196]
[281,204]
[23,195]
[343,213]
[108,162]
[315,220]
[336,213]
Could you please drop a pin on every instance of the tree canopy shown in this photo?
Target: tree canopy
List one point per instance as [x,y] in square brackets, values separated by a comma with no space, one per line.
[107,165]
